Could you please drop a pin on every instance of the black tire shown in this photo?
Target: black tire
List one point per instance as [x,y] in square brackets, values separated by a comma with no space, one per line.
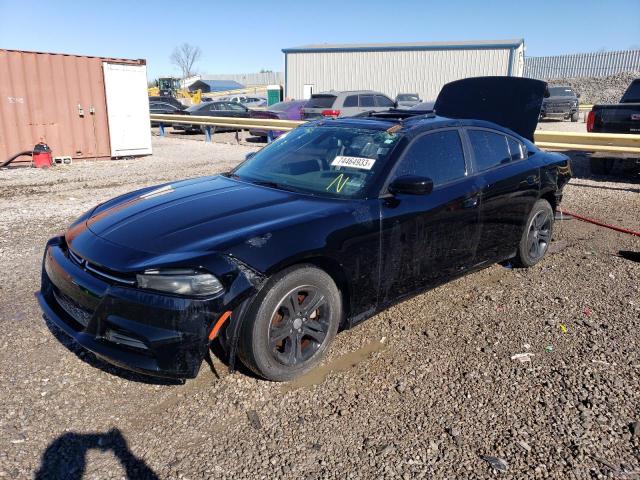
[601,166]
[291,323]
[536,236]
[575,116]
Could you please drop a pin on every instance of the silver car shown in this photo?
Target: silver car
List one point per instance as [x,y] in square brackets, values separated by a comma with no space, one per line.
[407,100]
[345,104]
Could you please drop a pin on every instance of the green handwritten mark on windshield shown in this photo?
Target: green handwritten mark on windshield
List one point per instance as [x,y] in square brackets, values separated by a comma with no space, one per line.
[340,181]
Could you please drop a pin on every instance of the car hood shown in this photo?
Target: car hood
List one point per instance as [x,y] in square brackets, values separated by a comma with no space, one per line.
[198,216]
[512,102]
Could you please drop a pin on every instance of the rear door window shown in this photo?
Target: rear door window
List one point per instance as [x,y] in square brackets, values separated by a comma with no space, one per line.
[516,149]
[236,107]
[351,101]
[320,101]
[367,101]
[490,148]
[383,101]
[438,156]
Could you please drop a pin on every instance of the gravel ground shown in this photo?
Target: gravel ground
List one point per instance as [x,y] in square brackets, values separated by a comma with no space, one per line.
[592,90]
[426,389]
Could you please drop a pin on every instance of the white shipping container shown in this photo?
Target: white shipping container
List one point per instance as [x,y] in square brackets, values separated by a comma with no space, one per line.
[127,109]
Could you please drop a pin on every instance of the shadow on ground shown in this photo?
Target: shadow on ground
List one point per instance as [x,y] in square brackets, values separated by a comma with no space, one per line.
[581,169]
[66,457]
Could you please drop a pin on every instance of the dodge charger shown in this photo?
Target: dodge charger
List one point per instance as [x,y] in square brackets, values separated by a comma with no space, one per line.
[314,233]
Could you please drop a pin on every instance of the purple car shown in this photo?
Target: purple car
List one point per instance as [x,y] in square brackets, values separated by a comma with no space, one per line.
[291,110]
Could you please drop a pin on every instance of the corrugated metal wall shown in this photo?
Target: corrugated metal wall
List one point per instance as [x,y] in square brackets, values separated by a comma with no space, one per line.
[41,95]
[393,72]
[599,64]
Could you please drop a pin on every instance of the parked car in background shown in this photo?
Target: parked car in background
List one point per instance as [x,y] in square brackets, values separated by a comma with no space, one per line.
[291,110]
[345,104]
[164,109]
[309,235]
[423,106]
[406,100]
[170,100]
[562,102]
[623,117]
[214,109]
[248,101]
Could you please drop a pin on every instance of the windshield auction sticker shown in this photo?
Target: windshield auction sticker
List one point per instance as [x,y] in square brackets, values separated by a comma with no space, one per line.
[353,162]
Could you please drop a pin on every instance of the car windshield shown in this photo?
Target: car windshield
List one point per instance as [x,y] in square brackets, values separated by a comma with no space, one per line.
[560,92]
[408,97]
[323,160]
[320,101]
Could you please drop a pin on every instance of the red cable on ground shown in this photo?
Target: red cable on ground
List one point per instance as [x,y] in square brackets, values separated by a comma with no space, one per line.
[596,222]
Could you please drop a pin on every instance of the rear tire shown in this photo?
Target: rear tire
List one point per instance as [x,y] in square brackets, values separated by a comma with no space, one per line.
[536,236]
[291,323]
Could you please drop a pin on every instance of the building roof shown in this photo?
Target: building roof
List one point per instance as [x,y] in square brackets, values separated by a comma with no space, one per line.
[355,47]
[215,85]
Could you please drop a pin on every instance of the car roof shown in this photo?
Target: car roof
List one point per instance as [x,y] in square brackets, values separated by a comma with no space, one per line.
[412,123]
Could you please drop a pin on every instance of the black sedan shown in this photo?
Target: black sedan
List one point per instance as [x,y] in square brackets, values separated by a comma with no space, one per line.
[214,109]
[317,231]
[163,108]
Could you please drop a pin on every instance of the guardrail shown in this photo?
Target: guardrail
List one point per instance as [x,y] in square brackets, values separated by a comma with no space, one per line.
[586,142]
[267,124]
[585,107]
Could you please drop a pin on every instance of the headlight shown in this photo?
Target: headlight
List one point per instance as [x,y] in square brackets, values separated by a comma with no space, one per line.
[180,281]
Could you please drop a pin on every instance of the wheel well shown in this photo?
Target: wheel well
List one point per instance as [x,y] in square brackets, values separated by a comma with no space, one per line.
[551,198]
[336,272]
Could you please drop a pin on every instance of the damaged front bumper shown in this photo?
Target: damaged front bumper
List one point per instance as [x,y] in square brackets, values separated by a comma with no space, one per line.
[151,333]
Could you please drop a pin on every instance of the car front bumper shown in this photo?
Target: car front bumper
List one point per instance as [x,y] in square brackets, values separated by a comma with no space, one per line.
[557,111]
[151,333]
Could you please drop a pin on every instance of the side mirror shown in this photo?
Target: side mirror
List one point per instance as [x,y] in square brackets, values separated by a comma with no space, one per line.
[577,95]
[250,155]
[411,185]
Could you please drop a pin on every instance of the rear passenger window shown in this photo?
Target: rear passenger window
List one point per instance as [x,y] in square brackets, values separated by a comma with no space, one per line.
[384,101]
[438,156]
[516,149]
[367,101]
[490,149]
[351,101]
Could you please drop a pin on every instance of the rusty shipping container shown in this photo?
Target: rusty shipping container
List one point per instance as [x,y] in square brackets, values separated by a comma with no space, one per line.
[62,100]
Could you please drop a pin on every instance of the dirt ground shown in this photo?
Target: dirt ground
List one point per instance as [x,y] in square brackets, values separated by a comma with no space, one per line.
[426,389]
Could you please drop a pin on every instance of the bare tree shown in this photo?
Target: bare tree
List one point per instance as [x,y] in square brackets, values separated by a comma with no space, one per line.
[184,57]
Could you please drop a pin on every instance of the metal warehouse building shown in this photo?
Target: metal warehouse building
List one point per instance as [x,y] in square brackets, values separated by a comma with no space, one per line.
[394,68]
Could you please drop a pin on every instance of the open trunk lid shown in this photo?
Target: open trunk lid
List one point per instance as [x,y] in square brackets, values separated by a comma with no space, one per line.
[512,102]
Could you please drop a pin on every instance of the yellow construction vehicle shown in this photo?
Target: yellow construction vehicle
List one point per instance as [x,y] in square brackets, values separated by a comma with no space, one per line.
[170,87]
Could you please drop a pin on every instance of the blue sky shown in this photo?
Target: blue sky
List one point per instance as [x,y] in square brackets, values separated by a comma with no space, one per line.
[238,37]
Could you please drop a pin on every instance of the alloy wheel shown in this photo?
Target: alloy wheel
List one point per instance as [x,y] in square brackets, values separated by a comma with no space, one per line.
[299,325]
[539,235]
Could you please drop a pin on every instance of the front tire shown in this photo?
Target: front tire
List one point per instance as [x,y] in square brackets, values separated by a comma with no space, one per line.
[575,116]
[291,323]
[536,236]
